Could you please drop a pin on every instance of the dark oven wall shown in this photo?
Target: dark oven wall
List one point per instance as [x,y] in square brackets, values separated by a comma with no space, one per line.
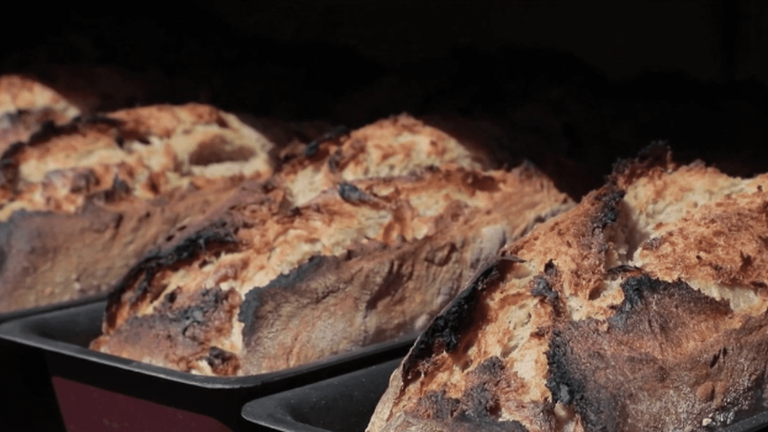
[574,85]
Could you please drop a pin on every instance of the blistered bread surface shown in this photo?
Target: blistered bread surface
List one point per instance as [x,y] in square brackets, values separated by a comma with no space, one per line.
[643,308]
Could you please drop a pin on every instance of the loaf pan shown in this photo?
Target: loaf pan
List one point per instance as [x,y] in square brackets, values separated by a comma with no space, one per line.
[29,383]
[340,404]
[21,313]
[64,336]
[346,403]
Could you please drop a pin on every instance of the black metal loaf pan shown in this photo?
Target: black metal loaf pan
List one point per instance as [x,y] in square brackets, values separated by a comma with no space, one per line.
[340,404]
[64,336]
[26,381]
[346,403]
[21,313]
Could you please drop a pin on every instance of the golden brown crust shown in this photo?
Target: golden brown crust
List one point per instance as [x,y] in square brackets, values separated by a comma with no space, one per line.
[26,105]
[367,262]
[399,145]
[631,312]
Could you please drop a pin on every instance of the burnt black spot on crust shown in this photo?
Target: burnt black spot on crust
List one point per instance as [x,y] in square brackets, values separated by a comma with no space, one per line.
[438,405]
[622,269]
[351,194]
[478,407]
[253,300]
[560,382]
[656,154]
[609,212]
[541,288]
[445,330]
[222,362]
[334,134]
[139,279]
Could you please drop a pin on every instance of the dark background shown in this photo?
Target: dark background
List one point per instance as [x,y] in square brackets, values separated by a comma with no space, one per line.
[573,85]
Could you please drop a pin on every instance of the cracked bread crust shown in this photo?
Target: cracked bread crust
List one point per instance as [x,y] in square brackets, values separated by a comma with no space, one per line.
[26,106]
[366,262]
[643,308]
[396,146]
[122,183]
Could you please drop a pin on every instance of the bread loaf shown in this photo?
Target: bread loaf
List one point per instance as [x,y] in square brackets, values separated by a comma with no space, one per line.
[26,105]
[398,145]
[81,203]
[643,308]
[366,261]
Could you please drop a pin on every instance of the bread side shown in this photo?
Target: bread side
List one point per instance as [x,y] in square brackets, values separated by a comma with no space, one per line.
[639,309]
[368,261]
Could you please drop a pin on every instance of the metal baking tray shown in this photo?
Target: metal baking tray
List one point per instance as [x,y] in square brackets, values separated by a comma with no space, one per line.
[346,403]
[21,313]
[340,404]
[30,383]
[64,335]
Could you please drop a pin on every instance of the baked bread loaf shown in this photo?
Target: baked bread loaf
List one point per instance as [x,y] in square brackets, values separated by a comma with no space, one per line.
[641,309]
[395,146]
[366,261]
[82,203]
[26,105]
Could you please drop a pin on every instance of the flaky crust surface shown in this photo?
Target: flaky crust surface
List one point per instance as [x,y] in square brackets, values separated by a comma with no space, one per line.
[643,308]
[365,262]
[119,183]
[26,105]
[395,146]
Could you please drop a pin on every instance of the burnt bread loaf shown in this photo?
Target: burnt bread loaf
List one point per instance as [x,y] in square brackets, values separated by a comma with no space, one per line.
[642,308]
[82,203]
[26,105]
[366,261]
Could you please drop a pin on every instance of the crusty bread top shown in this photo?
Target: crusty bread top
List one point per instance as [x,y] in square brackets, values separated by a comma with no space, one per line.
[619,318]
[359,214]
[18,93]
[142,152]
[398,145]
[26,105]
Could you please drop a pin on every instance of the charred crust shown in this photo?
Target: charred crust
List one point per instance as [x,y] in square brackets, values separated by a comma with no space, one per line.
[560,382]
[622,269]
[314,146]
[609,213]
[542,285]
[445,330]
[478,407]
[248,314]
[568,385]
[608,384]
[656,154]
[222,362]
[335,160]
[540,288]
[638,289]
[139,279]
[351,194]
